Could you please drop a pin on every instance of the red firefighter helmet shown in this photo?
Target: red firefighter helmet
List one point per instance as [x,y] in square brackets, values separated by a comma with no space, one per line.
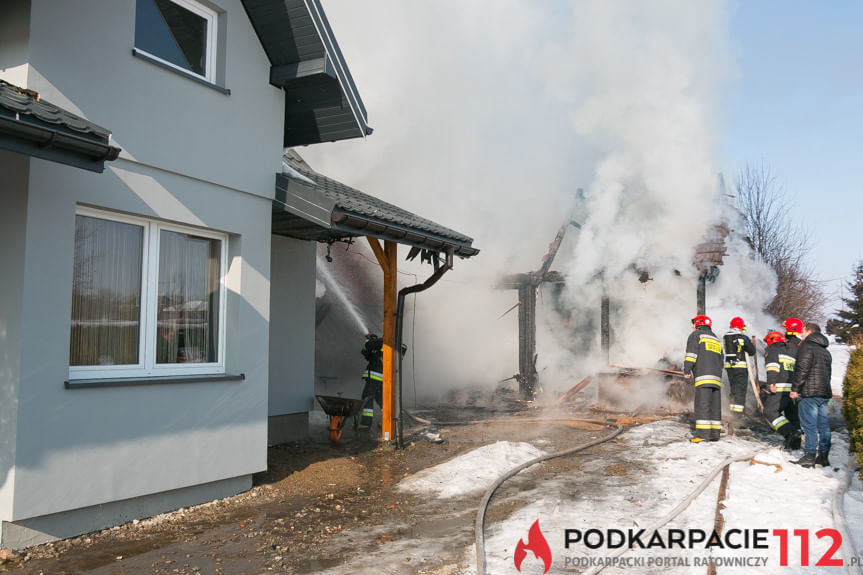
[773,337]
[738,323]
[701,320]
[793,325]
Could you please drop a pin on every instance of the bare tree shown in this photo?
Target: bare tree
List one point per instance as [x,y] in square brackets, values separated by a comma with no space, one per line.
[780,243]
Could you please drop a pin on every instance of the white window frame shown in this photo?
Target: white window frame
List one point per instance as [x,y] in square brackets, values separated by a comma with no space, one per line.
[212,18]
[147,366]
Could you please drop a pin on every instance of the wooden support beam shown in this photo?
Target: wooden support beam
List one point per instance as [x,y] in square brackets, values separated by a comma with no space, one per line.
[379,253]
[390,255]
[388,260]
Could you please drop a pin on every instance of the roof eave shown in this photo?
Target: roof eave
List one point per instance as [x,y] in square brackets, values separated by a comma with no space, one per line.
[346,80]
[55,145]
[359,224]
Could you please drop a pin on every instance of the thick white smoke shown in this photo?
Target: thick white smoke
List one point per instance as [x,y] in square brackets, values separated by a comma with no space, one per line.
[489,114]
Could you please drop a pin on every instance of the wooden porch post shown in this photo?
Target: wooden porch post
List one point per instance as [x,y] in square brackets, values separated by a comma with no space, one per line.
[388,260]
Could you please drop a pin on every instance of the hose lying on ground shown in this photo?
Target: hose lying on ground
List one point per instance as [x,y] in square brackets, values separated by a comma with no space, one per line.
[480,516]
[848,548]
[680,507]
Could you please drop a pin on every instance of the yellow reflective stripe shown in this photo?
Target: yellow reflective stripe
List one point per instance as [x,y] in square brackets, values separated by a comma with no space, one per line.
[735,365]
[716,426]
[703,426]
[734,407]
[708,381]
[783,387]
[375,375]
[690,359]
[778,422]
[773,367]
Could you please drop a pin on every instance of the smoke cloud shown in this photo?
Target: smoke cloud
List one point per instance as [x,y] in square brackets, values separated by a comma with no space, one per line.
[489,114]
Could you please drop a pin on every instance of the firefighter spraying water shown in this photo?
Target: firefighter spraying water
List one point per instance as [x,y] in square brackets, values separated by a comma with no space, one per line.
[374,378]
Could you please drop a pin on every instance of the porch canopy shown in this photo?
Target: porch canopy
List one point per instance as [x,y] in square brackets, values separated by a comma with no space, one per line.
[32,126]
[310,206]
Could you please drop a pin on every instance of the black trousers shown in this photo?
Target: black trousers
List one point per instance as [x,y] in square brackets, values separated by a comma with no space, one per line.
[738,380]
[781,412]
[373,391]
[708,411]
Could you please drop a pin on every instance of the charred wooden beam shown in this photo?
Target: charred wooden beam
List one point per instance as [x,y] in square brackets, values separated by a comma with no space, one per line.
[527,342]
[605,328]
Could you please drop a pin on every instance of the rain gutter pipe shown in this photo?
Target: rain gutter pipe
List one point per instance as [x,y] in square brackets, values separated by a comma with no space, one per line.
[400,307]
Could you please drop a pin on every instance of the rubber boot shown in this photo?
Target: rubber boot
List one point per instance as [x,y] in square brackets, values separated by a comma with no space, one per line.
[821,459]
[808,460]
[793,440]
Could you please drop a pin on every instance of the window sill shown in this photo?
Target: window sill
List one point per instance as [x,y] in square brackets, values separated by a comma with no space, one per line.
[132,381]
[144,56]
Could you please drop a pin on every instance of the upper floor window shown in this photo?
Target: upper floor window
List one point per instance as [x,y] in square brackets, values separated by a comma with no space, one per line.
[180,33]
[147,298]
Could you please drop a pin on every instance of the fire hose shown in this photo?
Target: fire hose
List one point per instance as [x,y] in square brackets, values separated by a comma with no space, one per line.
[480,517]
[680,507]
[848,548]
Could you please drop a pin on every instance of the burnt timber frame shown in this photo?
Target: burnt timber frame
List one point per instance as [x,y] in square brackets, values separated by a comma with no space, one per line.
[527,285]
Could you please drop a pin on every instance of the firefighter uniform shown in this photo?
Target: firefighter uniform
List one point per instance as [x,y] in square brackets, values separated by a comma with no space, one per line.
[792,344]
[374,378]
[779,408]
[737,346]
[704,363]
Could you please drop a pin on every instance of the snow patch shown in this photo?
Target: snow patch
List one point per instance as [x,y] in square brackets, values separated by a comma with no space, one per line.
[841,354]
[471,472]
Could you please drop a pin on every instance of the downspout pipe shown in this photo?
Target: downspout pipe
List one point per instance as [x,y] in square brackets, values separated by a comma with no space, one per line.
[400,308]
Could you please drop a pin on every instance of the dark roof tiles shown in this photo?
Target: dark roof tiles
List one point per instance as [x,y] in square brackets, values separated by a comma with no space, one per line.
[352,200]
[28,104]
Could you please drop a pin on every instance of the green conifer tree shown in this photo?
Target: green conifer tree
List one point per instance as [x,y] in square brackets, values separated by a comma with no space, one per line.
[848,325]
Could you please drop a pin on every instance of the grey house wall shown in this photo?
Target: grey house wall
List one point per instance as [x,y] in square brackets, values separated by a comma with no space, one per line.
[14,168]
[80,459]
[292,339]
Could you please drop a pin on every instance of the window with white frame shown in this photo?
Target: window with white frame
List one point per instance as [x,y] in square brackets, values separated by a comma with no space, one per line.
[179,33]
[147,298]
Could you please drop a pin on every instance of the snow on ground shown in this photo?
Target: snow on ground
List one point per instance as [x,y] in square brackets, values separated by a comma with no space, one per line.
[634,481]
[471,472]
[666,469]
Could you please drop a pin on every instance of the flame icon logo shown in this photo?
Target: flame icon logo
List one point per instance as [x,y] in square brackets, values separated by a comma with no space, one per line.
[535,542]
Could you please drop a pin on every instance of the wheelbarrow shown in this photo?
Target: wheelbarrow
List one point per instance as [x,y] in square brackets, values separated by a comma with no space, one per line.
[340,409]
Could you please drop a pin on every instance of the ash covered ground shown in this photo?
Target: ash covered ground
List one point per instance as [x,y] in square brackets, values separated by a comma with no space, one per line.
[319,506]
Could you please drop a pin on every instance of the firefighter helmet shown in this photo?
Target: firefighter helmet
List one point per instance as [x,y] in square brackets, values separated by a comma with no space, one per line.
[793,325]
[701,320]
[738,323]
[773,337]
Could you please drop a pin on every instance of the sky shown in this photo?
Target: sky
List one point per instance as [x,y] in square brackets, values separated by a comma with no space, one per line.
[793,103]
